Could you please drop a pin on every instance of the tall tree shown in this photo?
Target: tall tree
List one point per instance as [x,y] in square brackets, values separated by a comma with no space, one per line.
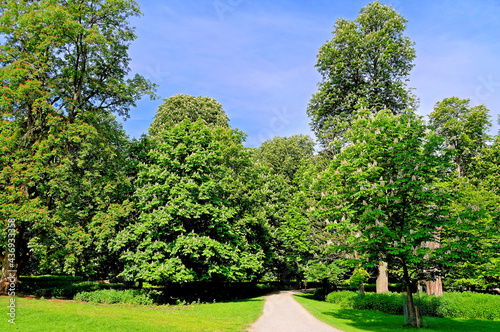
[278,161]
[63,71]
[389,202]
[198,209]
[464,127]
[365,64]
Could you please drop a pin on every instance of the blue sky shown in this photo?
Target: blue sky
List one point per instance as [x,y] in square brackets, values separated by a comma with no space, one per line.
[257,57]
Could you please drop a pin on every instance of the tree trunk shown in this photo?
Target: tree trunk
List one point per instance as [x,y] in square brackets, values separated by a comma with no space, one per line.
[413,314]
[434,287]
[9,273]
[382,278]
[362,290]
[10,267]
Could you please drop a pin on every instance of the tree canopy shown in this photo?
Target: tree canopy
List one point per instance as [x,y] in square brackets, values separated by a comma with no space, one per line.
[64,69]
[365,64]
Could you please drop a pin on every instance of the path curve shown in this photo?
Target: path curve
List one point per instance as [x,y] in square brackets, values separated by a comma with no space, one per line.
[283,314]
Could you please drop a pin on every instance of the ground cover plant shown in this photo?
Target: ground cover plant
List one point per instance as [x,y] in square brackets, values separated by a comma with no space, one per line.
[354,320]
[109,296]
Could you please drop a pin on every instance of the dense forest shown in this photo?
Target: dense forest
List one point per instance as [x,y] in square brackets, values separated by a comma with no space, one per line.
[383,187]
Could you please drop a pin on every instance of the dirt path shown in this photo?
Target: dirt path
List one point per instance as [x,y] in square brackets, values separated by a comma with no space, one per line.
[283,314]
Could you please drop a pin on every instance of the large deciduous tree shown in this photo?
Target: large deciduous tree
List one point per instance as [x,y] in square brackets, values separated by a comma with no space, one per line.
[278,160]
[386,192]
[64,69]
[198,211]
[365,64]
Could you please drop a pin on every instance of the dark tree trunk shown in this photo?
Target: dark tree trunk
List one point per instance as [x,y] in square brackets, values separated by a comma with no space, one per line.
[362,290]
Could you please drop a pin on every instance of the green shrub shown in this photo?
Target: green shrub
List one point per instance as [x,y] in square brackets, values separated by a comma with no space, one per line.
[109,296]
[391,303]
[467,305]
[60,286]
[344,298]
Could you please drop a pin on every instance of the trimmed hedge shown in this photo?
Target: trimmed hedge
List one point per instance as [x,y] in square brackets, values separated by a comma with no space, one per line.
[109,296]
[466,305]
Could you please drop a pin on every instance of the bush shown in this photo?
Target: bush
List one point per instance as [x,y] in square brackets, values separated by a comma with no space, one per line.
[465,305]
[109,296]
[469,305]
[59,286]
[344,298]
[390,303]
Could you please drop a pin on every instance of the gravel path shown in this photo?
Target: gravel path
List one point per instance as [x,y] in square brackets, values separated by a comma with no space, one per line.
[283,314]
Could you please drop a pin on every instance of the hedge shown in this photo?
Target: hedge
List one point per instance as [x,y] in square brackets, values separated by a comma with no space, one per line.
[467,305]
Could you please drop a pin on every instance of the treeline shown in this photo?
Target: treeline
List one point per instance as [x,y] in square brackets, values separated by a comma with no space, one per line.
[188,202]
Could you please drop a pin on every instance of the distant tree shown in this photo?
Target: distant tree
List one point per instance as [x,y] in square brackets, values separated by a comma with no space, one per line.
[365,64]
[386,193]
[179,107]
[284,155]
[199,216]
[463,126]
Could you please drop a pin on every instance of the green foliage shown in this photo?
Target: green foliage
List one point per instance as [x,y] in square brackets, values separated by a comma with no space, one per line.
[485,171]
[483,274]
[343,298]
[197,199]
[388,202]
[65,70]
[359,277]
[284,155]
[180,107]
[464,127]
[465,305]
[365,64]
[469,305]
[109,296]
[59,286]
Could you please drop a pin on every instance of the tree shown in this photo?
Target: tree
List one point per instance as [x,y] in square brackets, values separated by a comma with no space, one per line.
[63,71]
[284,155]
[464,127]
[179,107]
[385,192]
[199,216]
[358,279]
[365,64]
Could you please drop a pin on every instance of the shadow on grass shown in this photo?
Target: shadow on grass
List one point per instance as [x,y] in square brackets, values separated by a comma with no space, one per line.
[376,321]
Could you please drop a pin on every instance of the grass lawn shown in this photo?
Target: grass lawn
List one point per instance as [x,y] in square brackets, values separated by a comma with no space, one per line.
[53,315]
[350,320]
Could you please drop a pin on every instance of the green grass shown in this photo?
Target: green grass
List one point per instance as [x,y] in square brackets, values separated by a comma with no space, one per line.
[351,320]
[45,315]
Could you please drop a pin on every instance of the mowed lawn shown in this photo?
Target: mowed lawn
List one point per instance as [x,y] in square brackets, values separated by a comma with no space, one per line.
[52,315]
[350,320]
